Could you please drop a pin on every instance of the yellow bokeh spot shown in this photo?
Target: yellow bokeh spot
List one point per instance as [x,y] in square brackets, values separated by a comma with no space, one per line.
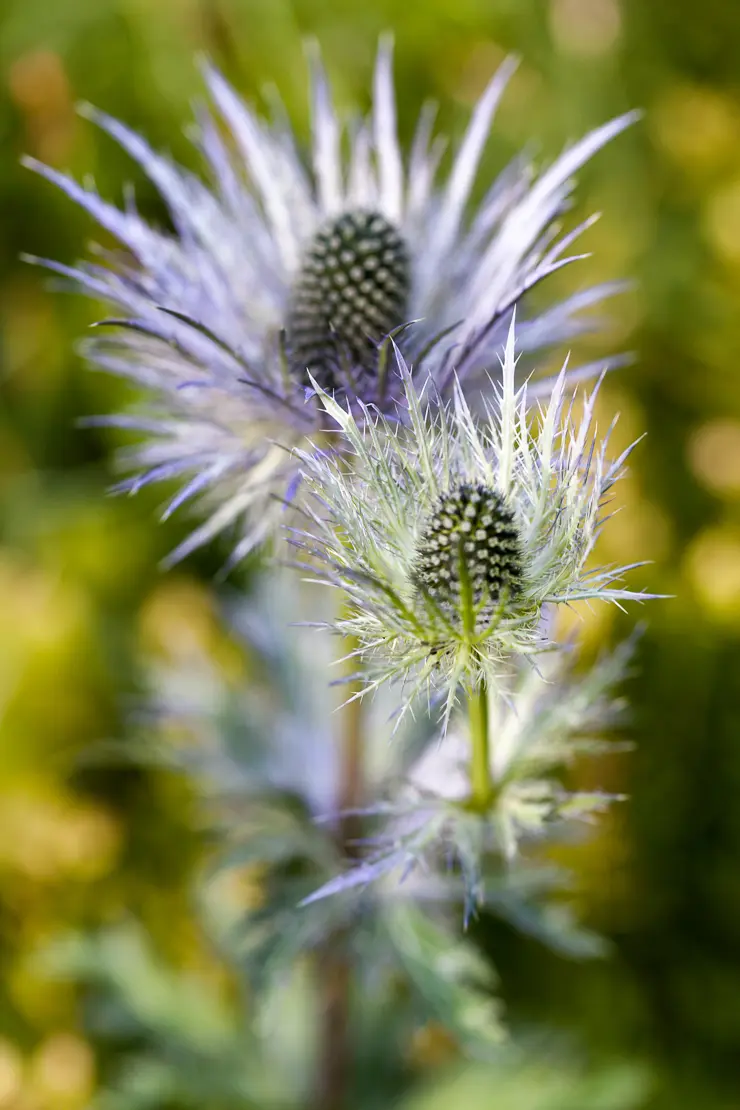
[179,625]
[11,1074]
[713,567]
[38,613]
[588,28]
[45,837]
[722,221]
[178,621]
[239,890]
[37,81]
[714,456]
[47,661]
[62,1071]
[432,1045]
[41,1000]
[38,84]
[697,127]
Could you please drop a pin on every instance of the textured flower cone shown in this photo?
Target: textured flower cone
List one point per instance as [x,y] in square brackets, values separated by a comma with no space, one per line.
[469,553]
[352,290]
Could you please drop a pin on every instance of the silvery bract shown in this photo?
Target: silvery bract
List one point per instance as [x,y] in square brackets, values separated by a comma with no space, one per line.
[269,783]
[449,535]
[264,756]
[279,266]
[427,833]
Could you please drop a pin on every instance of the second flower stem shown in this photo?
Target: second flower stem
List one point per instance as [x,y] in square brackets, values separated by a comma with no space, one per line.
[335,1063]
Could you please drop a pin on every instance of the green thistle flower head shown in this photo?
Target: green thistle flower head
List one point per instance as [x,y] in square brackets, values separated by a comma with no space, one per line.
[468,554]
[450,536]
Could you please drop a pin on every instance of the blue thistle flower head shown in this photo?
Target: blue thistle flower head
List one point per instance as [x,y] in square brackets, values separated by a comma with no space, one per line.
[286,267]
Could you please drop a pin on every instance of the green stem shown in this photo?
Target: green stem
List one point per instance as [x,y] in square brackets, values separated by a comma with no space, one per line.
[481,782]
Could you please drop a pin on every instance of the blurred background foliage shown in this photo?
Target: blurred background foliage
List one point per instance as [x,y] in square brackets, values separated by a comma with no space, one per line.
[82,601]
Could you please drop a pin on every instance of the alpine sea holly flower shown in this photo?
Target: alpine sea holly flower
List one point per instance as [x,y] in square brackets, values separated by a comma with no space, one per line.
[284,266]
[450,536]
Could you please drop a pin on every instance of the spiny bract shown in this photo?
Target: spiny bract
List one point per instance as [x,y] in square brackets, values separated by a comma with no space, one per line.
[394,515]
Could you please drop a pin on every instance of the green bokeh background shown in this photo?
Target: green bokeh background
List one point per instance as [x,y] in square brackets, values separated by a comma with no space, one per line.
[82,600]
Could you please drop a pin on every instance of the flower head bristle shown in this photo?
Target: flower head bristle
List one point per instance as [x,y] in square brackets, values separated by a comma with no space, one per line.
[470,542]
[352,290]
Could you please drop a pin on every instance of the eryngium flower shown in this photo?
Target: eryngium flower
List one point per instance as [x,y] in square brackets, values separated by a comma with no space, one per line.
[281,267]
[449,535]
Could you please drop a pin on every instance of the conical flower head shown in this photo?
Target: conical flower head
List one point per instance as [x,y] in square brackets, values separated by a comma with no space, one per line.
[468,555]
[352,290]
[450,536]
[287,266]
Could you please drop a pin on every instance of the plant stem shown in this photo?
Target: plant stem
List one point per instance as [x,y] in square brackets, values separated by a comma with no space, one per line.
[481,782]
[335,964]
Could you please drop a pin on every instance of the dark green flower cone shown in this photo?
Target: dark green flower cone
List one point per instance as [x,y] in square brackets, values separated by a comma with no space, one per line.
[352,290]
[469,551]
